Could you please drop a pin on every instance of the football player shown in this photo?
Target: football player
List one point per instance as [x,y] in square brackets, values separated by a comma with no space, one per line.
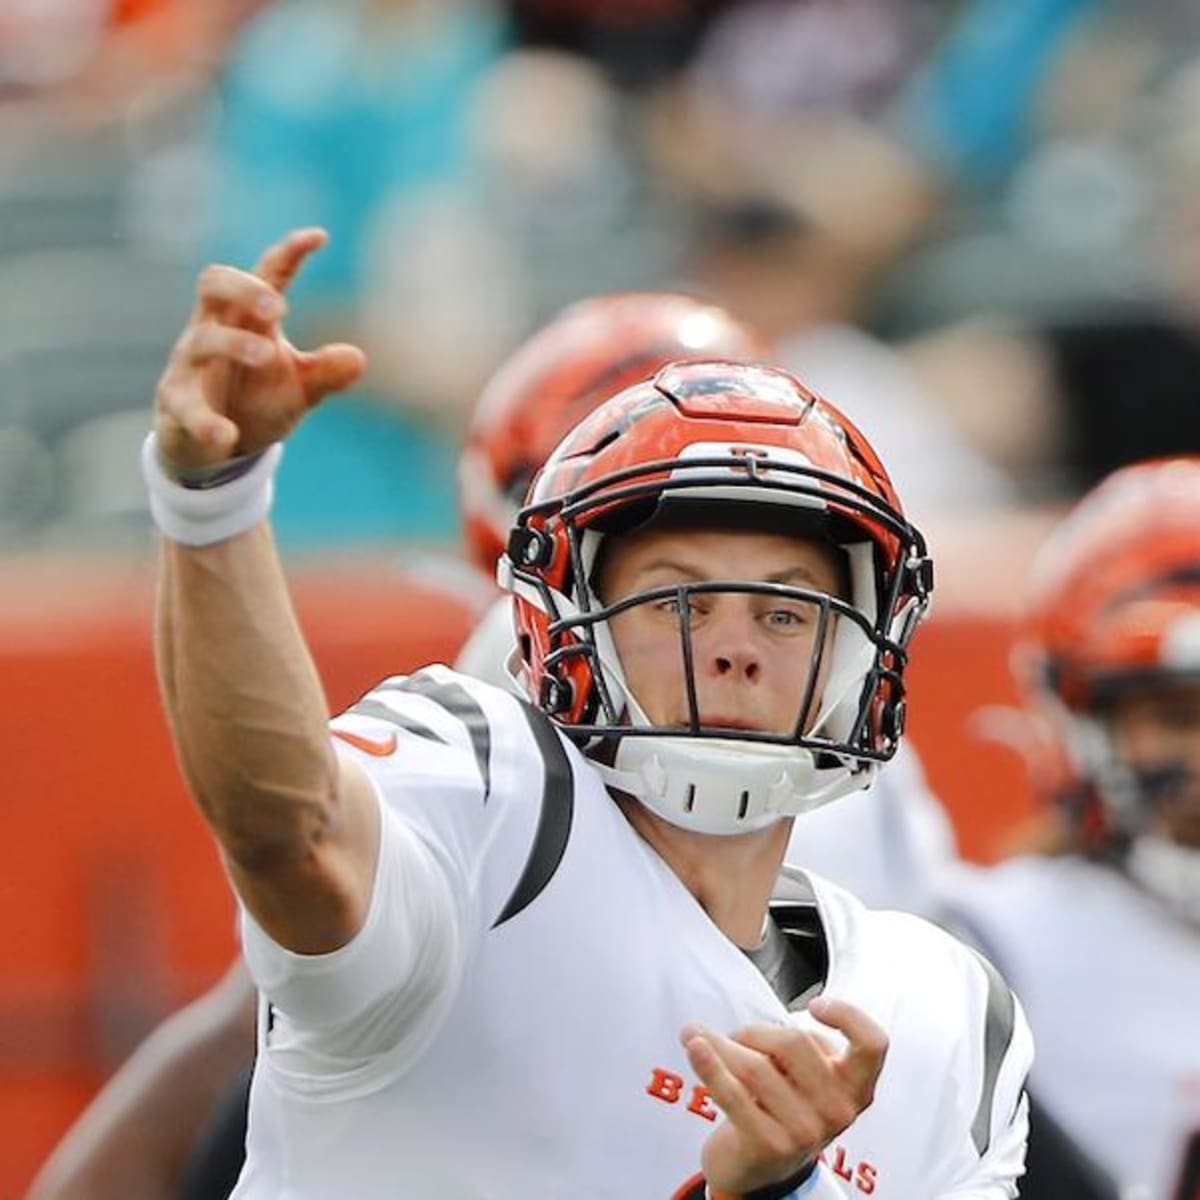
[142,1125]
[1102,938]
[541,930]
[592,350]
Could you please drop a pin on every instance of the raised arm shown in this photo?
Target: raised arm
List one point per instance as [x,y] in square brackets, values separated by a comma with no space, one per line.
[297,828]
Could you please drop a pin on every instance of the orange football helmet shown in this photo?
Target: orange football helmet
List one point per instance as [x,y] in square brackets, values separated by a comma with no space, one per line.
[723,445]
[591,351]
[1114,604]
[1117,587]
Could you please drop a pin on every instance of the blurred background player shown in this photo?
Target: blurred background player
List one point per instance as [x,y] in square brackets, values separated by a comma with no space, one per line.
[1100,934]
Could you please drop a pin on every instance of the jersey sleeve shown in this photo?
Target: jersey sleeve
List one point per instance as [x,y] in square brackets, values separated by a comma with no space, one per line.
[400,967]
[464,775]
[481,778]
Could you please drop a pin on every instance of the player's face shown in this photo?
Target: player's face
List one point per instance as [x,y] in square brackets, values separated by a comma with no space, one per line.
[1156,731]
[752,653]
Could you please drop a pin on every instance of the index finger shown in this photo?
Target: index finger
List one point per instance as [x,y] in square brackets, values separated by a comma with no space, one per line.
[868,1043]
[281,262]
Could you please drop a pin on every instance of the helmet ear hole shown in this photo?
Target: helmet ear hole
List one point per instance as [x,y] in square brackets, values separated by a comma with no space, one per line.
[556,695]
[525,648]
[892,723]
[530,547]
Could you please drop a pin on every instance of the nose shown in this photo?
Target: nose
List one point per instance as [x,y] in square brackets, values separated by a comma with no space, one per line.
[731,649]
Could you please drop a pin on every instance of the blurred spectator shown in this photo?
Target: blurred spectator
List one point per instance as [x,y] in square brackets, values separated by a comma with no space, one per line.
[469,269]
[561,174]
[91,93]
[1007,78]
[773,56]
[1060,380]
[367,473]
[555,207]
[77,64]
[328,111]
[970,107]
[342,115]
[798,216]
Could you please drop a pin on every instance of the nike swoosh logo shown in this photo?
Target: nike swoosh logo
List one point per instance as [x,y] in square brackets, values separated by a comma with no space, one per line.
[379,747]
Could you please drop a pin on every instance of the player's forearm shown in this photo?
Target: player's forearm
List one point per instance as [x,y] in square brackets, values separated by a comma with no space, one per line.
[245,703]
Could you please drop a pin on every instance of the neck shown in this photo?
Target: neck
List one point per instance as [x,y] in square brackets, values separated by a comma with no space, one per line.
[731,877]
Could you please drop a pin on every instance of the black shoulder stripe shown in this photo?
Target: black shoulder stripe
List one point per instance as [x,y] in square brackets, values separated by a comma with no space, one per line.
[381,712]
[457,701]
[554,819]
[998,1033]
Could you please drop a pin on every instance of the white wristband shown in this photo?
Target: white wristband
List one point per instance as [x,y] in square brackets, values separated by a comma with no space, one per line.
[202,516]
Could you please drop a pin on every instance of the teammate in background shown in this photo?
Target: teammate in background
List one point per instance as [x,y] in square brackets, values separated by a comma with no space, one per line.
[413,886]
[1102,938]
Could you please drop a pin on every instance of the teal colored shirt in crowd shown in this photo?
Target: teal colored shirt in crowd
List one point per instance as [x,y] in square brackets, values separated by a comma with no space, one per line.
[325,119]
[357,472]
[314,130]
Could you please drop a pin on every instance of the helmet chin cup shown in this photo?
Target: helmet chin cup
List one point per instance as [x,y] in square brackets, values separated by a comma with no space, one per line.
[722,786]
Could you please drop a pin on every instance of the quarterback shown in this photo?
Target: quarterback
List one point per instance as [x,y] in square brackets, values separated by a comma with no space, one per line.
[512,947]
[594,348]
[147,1131]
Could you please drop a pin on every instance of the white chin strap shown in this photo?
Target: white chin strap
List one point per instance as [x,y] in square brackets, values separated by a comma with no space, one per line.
[725,786]
[1169,872]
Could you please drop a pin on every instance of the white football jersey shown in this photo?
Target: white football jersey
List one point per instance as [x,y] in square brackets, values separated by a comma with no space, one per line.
[507,1021]
[1111,982]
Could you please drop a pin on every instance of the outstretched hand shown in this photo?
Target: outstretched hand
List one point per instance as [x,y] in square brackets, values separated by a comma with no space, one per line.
[786,1093]
[234,383]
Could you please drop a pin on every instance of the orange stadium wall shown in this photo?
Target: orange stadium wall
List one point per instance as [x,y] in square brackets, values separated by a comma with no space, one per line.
[115,907]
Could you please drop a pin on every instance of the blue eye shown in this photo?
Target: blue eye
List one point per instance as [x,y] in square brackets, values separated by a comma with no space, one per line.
[672,608]
[784,618]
